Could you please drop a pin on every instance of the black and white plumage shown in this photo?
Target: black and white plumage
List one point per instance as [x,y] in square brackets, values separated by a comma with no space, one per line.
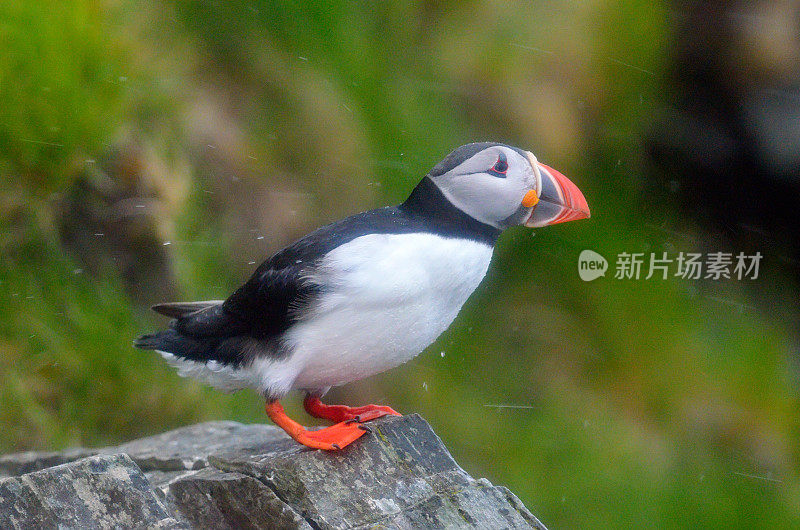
[369,292]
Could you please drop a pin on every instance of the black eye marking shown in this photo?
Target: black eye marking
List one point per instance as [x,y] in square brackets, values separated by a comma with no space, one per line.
[500,167]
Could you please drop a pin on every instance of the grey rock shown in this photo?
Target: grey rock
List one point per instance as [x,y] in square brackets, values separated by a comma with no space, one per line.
[229,475]
[108,491]
[214,499]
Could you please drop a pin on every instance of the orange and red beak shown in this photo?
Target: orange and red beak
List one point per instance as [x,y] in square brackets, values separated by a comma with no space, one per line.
[559,200]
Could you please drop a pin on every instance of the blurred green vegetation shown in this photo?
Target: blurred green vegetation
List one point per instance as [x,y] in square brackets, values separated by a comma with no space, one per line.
[162,149]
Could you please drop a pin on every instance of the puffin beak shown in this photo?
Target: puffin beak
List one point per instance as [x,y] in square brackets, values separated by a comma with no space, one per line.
[559,199]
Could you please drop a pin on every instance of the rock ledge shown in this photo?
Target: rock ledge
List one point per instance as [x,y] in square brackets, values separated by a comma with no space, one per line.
[230,475]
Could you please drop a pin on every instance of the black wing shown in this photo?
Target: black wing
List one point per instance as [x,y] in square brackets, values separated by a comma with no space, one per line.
[251,321]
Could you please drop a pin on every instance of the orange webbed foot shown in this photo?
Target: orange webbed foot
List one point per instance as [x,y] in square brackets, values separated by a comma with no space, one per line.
[331,438]
[334,437]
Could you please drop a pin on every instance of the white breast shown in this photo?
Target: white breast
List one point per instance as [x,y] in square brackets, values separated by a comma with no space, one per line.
[386,298]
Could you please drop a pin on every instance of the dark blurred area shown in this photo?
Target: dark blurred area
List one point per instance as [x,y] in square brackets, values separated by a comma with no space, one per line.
[160,151]
[728,137]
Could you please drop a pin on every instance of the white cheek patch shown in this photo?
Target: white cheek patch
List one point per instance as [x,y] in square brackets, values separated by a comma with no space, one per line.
[484,197]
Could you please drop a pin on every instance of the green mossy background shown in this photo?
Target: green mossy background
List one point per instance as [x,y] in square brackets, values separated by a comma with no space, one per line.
[153,149]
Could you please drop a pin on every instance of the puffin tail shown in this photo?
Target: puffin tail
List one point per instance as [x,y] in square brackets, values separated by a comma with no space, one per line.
[200,331]
[176,343]
[191,331]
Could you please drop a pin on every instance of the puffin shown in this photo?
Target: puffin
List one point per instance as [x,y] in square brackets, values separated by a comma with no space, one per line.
[366,293]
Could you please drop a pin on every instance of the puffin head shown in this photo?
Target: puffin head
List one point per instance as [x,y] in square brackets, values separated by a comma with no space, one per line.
[502,186]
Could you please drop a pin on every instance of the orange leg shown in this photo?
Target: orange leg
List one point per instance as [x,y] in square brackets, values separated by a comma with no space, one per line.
[339,413]
[331,438]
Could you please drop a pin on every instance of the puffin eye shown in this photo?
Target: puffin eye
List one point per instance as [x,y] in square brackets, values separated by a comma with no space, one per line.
[500,167]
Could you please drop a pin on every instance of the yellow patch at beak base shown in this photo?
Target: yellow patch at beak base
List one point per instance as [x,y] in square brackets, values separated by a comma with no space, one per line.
[530,199]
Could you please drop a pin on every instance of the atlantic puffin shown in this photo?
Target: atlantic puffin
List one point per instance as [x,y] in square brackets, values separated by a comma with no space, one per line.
[366,293]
